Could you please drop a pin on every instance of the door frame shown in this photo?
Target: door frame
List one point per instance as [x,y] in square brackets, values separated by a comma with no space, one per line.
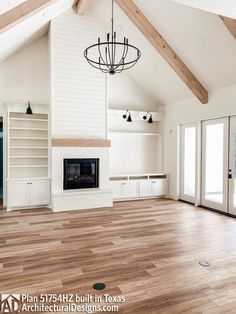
[211,204]
[231,185]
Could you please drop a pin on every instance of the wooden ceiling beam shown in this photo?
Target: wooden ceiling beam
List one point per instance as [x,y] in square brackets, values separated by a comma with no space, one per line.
[164,49]
[21,12]
[82,6]
[230,24]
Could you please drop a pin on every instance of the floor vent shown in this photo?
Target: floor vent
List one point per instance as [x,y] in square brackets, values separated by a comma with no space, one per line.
[99,286]
[204,263]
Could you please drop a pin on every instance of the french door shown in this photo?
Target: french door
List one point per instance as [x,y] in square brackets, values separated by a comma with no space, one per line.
[215,139]
[219,164]
[215,184]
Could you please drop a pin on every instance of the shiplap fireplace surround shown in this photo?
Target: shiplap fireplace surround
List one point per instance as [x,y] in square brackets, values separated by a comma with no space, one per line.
[87,198]
[78,111]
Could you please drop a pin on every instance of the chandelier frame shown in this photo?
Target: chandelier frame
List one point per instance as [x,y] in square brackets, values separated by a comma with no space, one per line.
[107,60]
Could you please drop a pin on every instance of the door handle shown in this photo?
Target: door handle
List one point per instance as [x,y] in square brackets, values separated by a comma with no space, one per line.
[230,175]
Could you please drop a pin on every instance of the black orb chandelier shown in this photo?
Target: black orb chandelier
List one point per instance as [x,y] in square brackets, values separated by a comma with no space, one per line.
[112,56]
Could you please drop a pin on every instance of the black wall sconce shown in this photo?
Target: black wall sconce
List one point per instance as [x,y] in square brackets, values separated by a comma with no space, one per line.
[148,117]
[127,116]
[29,110]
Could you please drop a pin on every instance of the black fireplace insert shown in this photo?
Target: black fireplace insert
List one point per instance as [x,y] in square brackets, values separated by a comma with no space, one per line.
[81,173]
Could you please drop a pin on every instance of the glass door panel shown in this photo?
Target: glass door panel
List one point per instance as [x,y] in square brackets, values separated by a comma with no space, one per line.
[215,163]
[188,162]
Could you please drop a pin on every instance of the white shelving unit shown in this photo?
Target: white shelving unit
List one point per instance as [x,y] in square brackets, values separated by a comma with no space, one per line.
[137,145]
[136,152]
[28,146]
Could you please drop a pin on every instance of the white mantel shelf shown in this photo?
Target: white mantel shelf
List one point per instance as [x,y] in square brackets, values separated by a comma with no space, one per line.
[80,142]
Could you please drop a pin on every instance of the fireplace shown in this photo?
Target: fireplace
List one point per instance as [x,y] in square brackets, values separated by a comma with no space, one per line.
[81,173]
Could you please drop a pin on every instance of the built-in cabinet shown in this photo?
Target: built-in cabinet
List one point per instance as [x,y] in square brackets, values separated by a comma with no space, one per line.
[28,183]
[132,187]
[136,147]
[136,153]
[28,193]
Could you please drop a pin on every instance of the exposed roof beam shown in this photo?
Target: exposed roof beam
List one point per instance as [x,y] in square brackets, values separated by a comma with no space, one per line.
[230,24]
[21,12]
[159,43]
[82,6]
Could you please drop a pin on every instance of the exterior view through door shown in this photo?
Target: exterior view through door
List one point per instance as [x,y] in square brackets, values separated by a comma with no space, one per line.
[188,162]
[215,164]
[217,180]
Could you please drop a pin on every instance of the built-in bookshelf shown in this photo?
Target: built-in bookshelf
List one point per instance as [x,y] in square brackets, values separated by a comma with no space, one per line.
[27,145]
[136,146]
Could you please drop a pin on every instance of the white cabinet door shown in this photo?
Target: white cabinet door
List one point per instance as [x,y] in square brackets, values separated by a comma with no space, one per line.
[159,187]
[145,188]
[18,194]
[116,187]
[129,189]
[39,192]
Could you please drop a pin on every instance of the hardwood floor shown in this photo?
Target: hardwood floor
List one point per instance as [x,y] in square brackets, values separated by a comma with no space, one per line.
[148,251]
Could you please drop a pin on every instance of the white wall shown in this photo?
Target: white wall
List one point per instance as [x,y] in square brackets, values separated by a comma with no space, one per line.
[134,154]
[25,74]
[124,93]
[221,103]
[79,97]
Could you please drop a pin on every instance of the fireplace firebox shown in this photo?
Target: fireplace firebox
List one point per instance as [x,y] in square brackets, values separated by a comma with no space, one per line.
[81,173]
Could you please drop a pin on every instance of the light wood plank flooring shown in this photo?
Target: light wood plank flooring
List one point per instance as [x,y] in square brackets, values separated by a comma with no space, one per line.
[148,251]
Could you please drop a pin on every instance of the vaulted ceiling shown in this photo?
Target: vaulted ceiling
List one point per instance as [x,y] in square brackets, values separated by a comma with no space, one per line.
[220,7]
[198,37]
[6,5]
[28,27]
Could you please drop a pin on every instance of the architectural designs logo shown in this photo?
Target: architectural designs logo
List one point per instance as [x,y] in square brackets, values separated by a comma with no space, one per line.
[10,303]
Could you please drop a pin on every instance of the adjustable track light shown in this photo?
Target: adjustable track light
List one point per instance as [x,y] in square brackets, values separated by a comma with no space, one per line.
[127,116]
[145,117]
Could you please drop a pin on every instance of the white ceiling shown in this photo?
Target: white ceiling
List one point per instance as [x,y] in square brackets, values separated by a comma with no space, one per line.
[6,5]
[191,33]
[221,7]
[198,37]
[31,28]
